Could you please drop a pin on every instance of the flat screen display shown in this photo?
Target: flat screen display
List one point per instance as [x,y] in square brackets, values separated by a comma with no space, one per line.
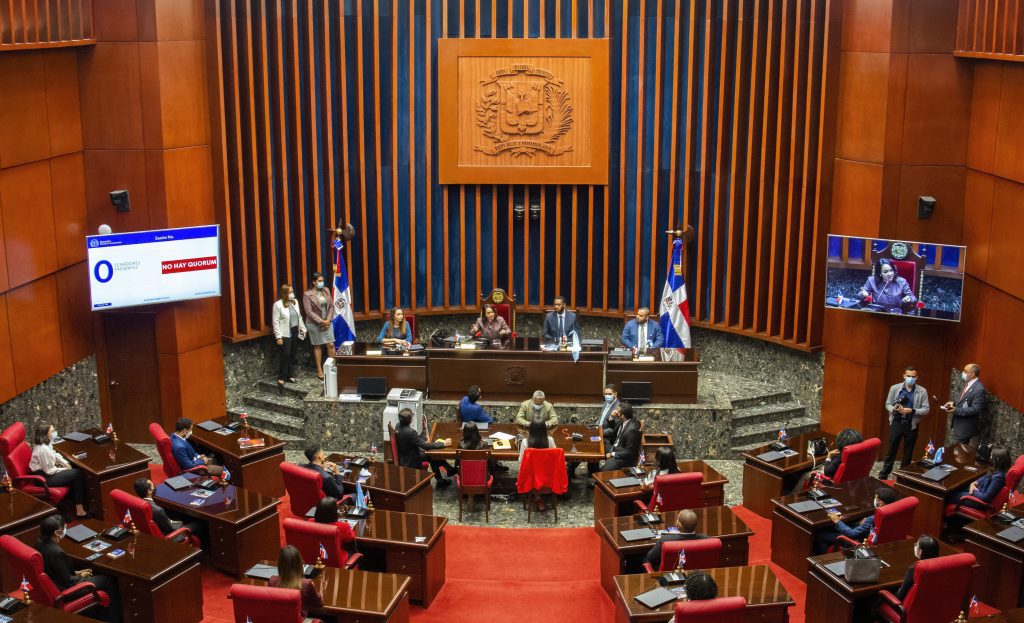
[148,267]
[897,277]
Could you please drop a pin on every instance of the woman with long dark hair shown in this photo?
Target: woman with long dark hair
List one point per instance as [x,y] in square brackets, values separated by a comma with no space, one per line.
[396,329]
[536,437]
[46,462]
[289,575]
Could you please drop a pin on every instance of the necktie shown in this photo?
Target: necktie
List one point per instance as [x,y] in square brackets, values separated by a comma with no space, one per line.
[963,392]
[642,337]
[561,325]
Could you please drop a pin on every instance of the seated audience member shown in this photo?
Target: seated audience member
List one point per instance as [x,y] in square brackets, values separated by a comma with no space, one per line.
[54,468]
[641,333]
[536,437]
[560,324]
[985,488]
[700,586]
[289,575]
[330,481]
[925,548]
[491,326]
[664,463]
[185,454]
[833,460]
[625,450]
[144,489]
[471,440]
[470,410]
[534,408]
[396,330]
[825,538]
[412,447]
[327,513]
[58,567]
[686,524]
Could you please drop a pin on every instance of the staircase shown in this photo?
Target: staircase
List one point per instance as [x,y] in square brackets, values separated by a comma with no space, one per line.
[756,419]
[280,414]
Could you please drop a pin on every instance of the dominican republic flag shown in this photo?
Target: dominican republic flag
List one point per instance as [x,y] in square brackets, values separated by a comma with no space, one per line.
[323,552]
[675,312]
[344,320]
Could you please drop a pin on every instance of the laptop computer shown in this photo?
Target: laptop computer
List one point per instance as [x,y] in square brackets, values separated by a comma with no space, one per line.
[635,392]
[372,387]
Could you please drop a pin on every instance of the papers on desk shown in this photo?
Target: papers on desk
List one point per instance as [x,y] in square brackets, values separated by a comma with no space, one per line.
[421,539]
[501,435]
[373,353]
[645,358]
[501,444]
[468,346]
[223,431]
[201,493]
[96,546]
[349,397]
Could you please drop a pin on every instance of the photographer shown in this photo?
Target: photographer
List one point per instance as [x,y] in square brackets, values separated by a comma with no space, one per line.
[906,404]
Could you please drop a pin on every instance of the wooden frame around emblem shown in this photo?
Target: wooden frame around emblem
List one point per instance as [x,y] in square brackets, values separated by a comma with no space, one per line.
[589,158]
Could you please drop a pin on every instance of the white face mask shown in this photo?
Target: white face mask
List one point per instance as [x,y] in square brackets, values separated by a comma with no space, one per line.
[186,434]
[53,435]
[537,407]
[291,296]
[878,503]
[963,375]
[319,285]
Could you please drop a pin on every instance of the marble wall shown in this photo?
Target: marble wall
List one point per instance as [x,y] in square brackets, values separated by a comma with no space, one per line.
[69,400]
[1001,424]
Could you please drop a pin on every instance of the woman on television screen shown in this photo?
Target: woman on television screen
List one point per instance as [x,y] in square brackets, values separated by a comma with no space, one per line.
[887,290]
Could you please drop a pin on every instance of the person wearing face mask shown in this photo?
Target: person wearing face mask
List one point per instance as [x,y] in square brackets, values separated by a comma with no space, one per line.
[319,308]
[185,454]
[968,406]
[906,404]
[288,329]
[925,548]
[887,290]
[54,468]
[58,567]
[537,408]
[825,538]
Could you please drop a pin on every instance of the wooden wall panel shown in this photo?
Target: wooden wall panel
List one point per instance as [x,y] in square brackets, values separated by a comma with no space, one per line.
[7,387]
[24,134]
[62,103]
[75,307]
[107,170]
[112,97]
[26,200]
[67,179]
[34,320]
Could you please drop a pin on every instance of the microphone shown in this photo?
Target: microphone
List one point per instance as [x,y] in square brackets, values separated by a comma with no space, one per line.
[433,335]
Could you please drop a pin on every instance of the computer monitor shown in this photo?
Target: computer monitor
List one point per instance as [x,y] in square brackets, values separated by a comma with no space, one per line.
[635,392]
[372,387]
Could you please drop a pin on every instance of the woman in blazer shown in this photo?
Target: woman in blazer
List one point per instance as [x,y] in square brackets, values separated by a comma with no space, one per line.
[289,575]
[319,308]
[288,327]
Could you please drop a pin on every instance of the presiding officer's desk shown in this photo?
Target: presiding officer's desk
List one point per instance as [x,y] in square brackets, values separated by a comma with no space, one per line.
[590,448]
[1001,560]
[408,369]
[619,556]
[354,596]
[243,525]
[610,501]
[767,599]
[516,367]
[764,480]
[105,467]
[831,599]
[793,532]
[160,581]
[931,495]
[19,511]
[393,487]
[672,373]
[256,469]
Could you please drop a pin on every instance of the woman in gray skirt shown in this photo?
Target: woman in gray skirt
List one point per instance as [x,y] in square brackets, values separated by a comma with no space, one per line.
[319,310]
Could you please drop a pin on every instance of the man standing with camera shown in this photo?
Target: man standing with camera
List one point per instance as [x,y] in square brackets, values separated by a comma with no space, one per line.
[906,404]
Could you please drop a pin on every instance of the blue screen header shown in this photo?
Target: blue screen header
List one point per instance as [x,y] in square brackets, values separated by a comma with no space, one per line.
[149,237]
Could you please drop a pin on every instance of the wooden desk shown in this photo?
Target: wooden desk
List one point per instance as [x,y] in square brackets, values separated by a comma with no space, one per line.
[612,502]
[672,374]
[831,599]
[763,481]
[19,511]
[357,596]
[586,450]
[244,526]
[106,466]
[619,556]
[387,541]
[38,613]
[931,495]
[767,599]
[408,370]
[159,580]
[1001,561]
[1009,616]
[256,469]
[393,487]
[793,533]
[513,370]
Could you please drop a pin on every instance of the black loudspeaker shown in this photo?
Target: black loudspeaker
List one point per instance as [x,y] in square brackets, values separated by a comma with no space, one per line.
[925,207]
[119,198]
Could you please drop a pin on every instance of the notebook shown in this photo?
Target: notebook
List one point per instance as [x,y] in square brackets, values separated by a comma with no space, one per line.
[79,533]
[770,456]
[261,572]
[656,598]
[209,425]
[1012,534]
[178,483]
[936,474]
[628,481]
[76,436]
[805,507]
[639,534]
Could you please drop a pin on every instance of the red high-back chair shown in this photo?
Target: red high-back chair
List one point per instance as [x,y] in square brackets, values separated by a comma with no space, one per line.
[16,455]
[1013,476]
[700,554]
[858,459]
[504,306]
[304,486]
[721,610]
[27,563]
[142,516]
[308,536]
[893,522]
[542,471]
[163,447]
[677,491]
[939,592]
[474,478]
[393,434]
[263,604]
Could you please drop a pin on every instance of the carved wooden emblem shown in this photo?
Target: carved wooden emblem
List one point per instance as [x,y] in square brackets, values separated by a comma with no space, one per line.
[523,110]
[497,297]
[515,375]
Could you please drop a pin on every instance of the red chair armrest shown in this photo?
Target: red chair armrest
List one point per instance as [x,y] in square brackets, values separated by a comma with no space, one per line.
[185,532]
[198,469]
[973,499]
[32,479]
[353,561]
[347,499]
[648,568]
[640,506]
[845,541]
[888,599]
[73,593]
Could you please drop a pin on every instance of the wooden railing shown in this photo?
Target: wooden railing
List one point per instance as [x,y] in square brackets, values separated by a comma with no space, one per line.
[992,29]
[32,24]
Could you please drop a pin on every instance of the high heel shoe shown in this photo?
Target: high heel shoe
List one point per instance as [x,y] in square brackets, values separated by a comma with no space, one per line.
[280,386]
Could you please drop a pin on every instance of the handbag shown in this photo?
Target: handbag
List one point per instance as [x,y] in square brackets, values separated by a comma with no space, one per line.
[817,447]
[984,453]
[862,566]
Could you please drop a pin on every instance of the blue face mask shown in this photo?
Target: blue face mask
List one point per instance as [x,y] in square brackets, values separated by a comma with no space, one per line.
[910,380]
[319,285]
[608,398]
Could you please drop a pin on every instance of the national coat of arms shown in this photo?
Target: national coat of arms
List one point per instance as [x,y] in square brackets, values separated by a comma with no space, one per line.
[523,110]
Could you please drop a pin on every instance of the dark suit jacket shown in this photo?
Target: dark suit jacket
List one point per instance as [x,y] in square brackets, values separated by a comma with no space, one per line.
[412,445]
[161,519]
[184,453]
[310,598]
[57,565]
[966,412]
[627,442]
[631,333]
[654,555]
[329,484]
[908,583]
[551,333]
[831,466]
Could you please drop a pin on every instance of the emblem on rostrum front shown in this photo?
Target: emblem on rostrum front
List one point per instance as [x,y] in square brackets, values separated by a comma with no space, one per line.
[515,375]
[524,109]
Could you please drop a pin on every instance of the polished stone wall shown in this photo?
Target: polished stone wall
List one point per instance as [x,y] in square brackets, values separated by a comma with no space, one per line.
[69,400]
[1001,424]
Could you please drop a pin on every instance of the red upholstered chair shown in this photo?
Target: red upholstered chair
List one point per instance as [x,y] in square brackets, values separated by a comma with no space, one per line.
[1013,476]
[504,306]
[263,604]
[308,536]
[474,478]
[858,459]
[893,522]
[393,434]
[721,610]
[677,491]
[304,486]
[700,554]
[16,455]
[27,563]
[939,592]
[163,446]
[543,472]
[142,517]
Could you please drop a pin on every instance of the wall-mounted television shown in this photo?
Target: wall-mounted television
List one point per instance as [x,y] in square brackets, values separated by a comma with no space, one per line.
[147,267]
[898,277]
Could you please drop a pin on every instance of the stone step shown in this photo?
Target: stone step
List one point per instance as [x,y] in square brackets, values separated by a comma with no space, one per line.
[738,450]
[774,412]
[295,390]
[765,432]
[291,442]
[277,424]
[277,403]
[762,399]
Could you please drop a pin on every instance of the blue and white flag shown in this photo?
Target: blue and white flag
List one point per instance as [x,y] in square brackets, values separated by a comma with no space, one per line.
[575,348]
[675,311]
[344,320]
[360,500]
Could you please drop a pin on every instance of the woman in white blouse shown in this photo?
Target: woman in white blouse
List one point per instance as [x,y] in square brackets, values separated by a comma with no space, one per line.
[289,328]
[47,463]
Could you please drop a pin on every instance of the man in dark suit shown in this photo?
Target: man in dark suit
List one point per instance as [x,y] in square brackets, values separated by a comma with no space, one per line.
[57,566]
[412,447]
[823,539]
[560,323]
[185,454]
[625,450]
[686,522]
[967,408]
[144,489]
[642,333]
[328,471]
